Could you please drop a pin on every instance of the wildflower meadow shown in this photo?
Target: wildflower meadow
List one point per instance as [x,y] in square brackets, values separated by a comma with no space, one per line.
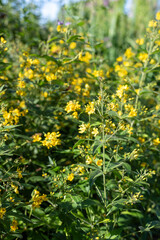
[79,127]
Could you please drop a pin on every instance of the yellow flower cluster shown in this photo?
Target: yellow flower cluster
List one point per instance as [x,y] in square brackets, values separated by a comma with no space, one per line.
[86,58]
[19,172]
[129,53]
[143,57]
[70,177]
[140,41]
[2,212]
[61,28]
[14,225]
[122,72]
[51,139]
[83,127]
[120,90]
[152,23]
[37,137]
[90,108]
[98,73]
[12,116]
[73,106]
[77,85]
[37,199]
[131,109]
[156,141]
[134,198]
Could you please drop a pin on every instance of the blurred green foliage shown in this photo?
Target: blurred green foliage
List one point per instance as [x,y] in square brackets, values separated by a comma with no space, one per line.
[111,23]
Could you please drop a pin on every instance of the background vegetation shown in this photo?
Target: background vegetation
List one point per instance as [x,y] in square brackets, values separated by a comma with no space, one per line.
[79,122]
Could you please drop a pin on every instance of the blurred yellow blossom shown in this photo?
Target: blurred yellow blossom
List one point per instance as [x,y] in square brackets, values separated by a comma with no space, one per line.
[70,177]
[2,212]
[14,225]
[99,162]
[158,16]
[140,41]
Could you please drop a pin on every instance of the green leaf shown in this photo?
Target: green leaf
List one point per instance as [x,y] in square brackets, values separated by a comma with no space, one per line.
[133,212]
[36,179]
[114,165]
[111,184]
[53,39]
[127,166]
[73,38]
[93,176]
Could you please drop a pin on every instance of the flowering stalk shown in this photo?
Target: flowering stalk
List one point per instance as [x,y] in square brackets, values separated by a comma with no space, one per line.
[103,141]
[144,73]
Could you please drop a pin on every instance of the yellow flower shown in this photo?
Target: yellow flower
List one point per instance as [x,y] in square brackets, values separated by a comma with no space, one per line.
[90,109]
[129,53]
[19,173]
[2,212]
[120,90]
[75,115]
[37,199]
[99,162]
[72,45]
[37,137]
[95,132]
[152,61]
[59,28]
[22,104]
[152,23]
[142,140]
[61,41]
[70,177]
[15,188]
[140,41]
[143,57]
[14,226]
[51,77]
[83,127]
[119,59]
[51,139]
[122,73]
[72,106]
[3,40]
[98,73]
[35,62]
[156,141]
[44,94]
[158,16]
[55,48]
[86,58]
[88,160]
[131,109]
[133,112]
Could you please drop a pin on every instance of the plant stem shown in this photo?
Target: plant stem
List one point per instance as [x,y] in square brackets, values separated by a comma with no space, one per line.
[103,141]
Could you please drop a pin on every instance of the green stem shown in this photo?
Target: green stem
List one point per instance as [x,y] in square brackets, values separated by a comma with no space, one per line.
[103,140]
